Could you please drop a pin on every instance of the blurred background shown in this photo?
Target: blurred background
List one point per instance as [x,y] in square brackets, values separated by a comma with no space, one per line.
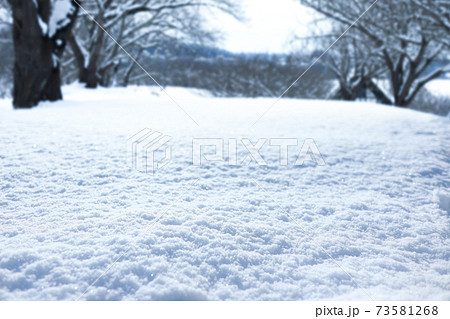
[397,53]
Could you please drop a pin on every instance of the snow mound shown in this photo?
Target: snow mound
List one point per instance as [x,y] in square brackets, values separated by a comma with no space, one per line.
[439,87]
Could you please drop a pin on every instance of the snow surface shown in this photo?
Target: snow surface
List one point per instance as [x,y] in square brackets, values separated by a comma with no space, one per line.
[69,205]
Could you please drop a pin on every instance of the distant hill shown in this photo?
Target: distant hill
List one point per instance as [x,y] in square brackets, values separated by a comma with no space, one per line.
[185,50]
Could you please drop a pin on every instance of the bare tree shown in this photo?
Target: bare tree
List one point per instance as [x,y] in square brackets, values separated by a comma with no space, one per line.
[40,29]
[137,25]
[351,62]
[437,12]
[399,35]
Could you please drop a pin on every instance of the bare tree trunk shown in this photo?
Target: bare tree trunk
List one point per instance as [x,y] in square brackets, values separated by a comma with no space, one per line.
[36,72]
[79,57]
[129,71]
[52,89]
[92,79]
[378,93]
[33,54]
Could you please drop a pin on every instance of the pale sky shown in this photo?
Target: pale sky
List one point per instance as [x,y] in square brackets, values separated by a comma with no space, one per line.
[269,26]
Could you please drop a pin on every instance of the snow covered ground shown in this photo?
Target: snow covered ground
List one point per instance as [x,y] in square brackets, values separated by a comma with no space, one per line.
[69,205]
[439,87]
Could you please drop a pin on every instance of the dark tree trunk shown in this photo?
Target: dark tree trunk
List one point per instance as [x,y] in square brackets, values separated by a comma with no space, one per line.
[91,77]
[129,71]
[93,80]
[353,90]
[36,72]
[87,70]
[378,93]
[52,90]
[79,58]
[33,53]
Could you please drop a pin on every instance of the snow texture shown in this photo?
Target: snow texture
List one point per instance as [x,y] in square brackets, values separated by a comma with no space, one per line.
[69,205]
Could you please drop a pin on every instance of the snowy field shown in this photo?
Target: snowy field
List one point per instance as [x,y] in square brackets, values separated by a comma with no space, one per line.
[373,222]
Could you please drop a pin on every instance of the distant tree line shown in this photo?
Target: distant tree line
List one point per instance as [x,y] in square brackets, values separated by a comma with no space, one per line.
[223,73]
[389,55]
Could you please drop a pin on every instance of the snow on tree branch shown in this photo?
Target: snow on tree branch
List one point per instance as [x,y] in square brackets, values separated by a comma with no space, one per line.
[61,17]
